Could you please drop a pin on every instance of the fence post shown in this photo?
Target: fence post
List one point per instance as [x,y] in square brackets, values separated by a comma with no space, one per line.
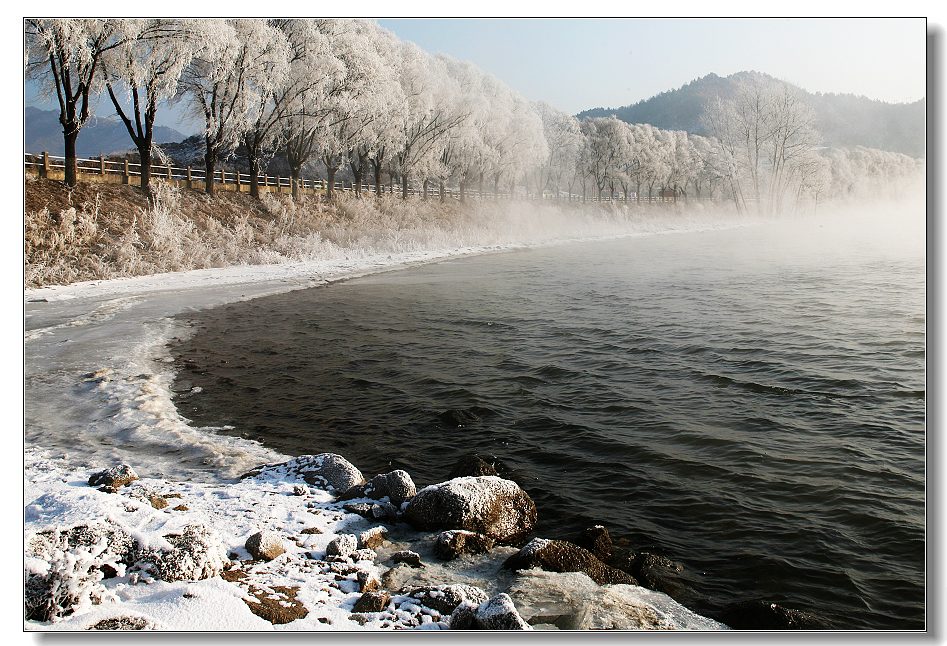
[102,165]
[189,177]
[170,176]
[44,169]
[125,172]
[237,177]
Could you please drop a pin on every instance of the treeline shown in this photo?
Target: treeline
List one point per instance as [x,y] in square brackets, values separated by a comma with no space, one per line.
[348,94]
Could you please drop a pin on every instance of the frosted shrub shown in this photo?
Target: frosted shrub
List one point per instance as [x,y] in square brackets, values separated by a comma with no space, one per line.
[64,569]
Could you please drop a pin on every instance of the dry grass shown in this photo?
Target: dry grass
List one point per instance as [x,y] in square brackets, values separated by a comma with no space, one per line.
[101,231]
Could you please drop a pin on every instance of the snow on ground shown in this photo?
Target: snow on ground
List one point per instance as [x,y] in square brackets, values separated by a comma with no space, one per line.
[97,393]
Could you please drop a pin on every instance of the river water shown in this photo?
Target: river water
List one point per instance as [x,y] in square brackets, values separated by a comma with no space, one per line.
[749,402]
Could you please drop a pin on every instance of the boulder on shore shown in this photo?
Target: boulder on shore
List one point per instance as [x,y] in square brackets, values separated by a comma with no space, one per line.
[446,598]
[113,478]
[472,465]
[396,485]
[487,505]
[497,613]
[562,556]
[454,542]
[325,469]
[265,545]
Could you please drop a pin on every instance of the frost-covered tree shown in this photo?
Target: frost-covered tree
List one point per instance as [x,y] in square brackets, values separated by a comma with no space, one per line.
[430,112]
[224,82]
[563,140]
[272,95]
[65,54]
[763,132]
[144,70]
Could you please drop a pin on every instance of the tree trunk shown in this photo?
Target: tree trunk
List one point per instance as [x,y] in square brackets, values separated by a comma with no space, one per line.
[254,163]
[144,156]
[378,186]
[424,190]
[330,180]
[70,135]
[210,167]
[358,181]
[294,181]
[404,185]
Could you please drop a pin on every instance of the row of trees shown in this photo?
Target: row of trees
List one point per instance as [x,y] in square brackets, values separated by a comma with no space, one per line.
[348,94]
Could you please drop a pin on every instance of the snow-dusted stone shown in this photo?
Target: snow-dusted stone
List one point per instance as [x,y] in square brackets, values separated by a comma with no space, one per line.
[325,469]
[265,545]
[113,478]
[472,465]
[372,602]
[372,538]
[122,623]
[396,485]
[497,613]
[366,582]
[344,546]
[276,604]
[197,553]
[596,540]
[408,558]
[487,505]
[562,556]
[454,542]
[446,598]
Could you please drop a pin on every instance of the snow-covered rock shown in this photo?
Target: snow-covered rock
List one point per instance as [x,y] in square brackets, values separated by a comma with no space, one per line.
[563,556]
[113,478]
[344,546]
[498,613]
[454,542]
[407,557]
[487,505]
[324,469]
[472,465]
[446,598]
[265,545]
[372,602]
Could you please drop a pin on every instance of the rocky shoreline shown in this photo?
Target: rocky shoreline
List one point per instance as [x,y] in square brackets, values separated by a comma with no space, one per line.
[311,544]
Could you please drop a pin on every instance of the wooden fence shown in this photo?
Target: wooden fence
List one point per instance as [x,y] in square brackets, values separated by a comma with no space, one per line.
[105,170]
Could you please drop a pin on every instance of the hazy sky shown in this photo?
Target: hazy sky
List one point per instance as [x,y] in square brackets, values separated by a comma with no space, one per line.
[575,64]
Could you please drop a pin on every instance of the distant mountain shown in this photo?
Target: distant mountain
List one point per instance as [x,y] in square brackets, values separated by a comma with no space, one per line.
[843,119]
[99,136]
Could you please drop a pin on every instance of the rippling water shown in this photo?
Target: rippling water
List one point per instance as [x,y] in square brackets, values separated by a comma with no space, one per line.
[749,402]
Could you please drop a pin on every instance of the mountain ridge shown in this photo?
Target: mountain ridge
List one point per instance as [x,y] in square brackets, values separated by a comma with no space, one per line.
[845,120]
[100,136]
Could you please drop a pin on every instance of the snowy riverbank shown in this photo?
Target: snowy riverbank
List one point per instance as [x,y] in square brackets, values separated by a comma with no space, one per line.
[97,382]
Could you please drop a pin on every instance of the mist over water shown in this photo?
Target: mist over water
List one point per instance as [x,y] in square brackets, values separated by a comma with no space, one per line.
[750,402]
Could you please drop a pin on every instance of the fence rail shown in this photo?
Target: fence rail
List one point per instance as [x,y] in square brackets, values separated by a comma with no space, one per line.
[128,172]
